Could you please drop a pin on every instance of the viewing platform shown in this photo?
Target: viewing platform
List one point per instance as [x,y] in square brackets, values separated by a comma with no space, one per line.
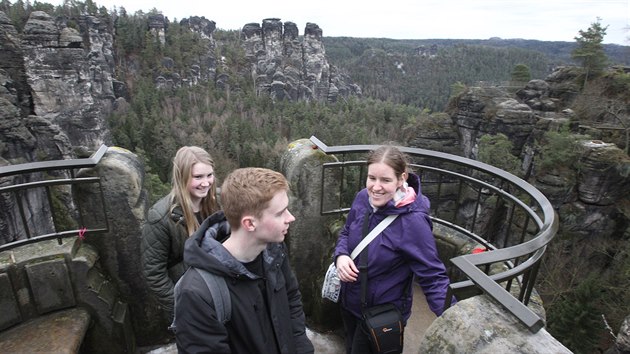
[85,215]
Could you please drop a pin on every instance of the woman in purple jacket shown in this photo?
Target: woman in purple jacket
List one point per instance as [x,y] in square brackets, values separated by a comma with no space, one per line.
[404,249]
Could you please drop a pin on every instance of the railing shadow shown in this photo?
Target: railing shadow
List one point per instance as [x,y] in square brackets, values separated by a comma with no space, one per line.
[503,214]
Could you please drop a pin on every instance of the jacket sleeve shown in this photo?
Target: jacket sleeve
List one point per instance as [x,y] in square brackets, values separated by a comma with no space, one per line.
[303,344]
[197,327]
[421,251]
[155,248]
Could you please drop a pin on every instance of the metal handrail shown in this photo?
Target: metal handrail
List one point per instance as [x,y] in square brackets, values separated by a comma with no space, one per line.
[520,261]
[41,166]
[17,190]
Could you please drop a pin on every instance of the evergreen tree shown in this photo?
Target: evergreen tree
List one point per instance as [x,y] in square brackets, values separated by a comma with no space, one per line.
[589,51]
[575,320]
[496,150]
[521,73]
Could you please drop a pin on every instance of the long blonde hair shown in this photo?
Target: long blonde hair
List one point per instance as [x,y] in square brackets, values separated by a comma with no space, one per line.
[183,162]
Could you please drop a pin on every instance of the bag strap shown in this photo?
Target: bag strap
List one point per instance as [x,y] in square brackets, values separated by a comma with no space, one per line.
[364,253]
[372,235]
[218,290]
[363,262]
[220,294]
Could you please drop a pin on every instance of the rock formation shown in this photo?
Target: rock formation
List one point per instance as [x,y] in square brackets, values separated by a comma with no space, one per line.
[590,195]
[480,325]
[286,68]
[69,74]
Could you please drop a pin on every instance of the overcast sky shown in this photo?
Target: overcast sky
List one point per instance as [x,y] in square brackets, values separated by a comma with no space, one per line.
[547,20]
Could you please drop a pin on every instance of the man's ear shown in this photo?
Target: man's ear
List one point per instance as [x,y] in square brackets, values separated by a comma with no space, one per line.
[247,223]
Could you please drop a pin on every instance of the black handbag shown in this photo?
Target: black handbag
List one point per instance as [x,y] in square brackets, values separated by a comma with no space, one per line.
[384,327]
[382,323]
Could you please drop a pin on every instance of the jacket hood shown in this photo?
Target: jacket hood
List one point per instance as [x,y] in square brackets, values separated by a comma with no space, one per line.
[204,249]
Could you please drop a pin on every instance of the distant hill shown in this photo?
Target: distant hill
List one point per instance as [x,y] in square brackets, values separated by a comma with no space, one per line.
[421,72]
[557,51]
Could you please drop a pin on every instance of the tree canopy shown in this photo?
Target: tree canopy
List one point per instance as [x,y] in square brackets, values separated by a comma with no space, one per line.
[589,52]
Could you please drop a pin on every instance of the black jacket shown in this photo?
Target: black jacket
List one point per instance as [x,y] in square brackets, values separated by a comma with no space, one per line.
[248,330]
[162,251]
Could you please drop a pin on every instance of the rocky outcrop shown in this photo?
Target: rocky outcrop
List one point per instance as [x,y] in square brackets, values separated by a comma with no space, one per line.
[480,325]
[604,175]
[436,133]
[483,110]
[126,203]
[302,165]
[536,95]
[590,195]
[281,64]
[622,344]
[200,69]
[15,97]
[286,68]
[70,75]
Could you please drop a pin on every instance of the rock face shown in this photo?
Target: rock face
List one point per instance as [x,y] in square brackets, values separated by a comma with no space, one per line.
[482,111]
[126,203]
[479,325]
[57,86]
[603,178]
[55,92]
[594,194]
[591,195]
[57,83]
[286,68]
[622,344]
[301,164]
[70,75]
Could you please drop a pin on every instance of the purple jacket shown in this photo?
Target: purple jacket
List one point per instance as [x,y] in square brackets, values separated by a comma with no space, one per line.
[406,246]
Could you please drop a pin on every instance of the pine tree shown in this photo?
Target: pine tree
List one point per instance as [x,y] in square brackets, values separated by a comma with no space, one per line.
[589,51]
[521,73]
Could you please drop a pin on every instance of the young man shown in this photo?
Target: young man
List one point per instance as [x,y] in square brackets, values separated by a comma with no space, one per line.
[266,305]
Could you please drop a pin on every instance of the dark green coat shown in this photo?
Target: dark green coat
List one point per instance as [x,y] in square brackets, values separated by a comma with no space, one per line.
[162,251]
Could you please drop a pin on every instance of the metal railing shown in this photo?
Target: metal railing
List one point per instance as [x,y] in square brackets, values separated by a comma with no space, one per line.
[49,178]
[498,211]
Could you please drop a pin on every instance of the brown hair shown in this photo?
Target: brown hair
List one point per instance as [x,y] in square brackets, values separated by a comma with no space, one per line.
[183,162]
[391,156]
[248,191]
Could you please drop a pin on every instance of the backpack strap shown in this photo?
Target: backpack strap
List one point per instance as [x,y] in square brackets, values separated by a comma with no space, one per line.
[220,294]
[218,290]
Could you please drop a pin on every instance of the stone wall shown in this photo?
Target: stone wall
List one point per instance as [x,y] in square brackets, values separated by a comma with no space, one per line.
[46,277]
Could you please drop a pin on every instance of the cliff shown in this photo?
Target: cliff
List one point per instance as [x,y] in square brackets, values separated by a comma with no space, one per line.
[58,74]
[286,67]
[57,86]
[586,179]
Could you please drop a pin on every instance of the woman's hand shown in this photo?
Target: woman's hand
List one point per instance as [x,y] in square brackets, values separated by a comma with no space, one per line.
[346,269]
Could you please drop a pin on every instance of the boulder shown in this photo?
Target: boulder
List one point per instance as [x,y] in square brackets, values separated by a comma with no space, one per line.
[480,325]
